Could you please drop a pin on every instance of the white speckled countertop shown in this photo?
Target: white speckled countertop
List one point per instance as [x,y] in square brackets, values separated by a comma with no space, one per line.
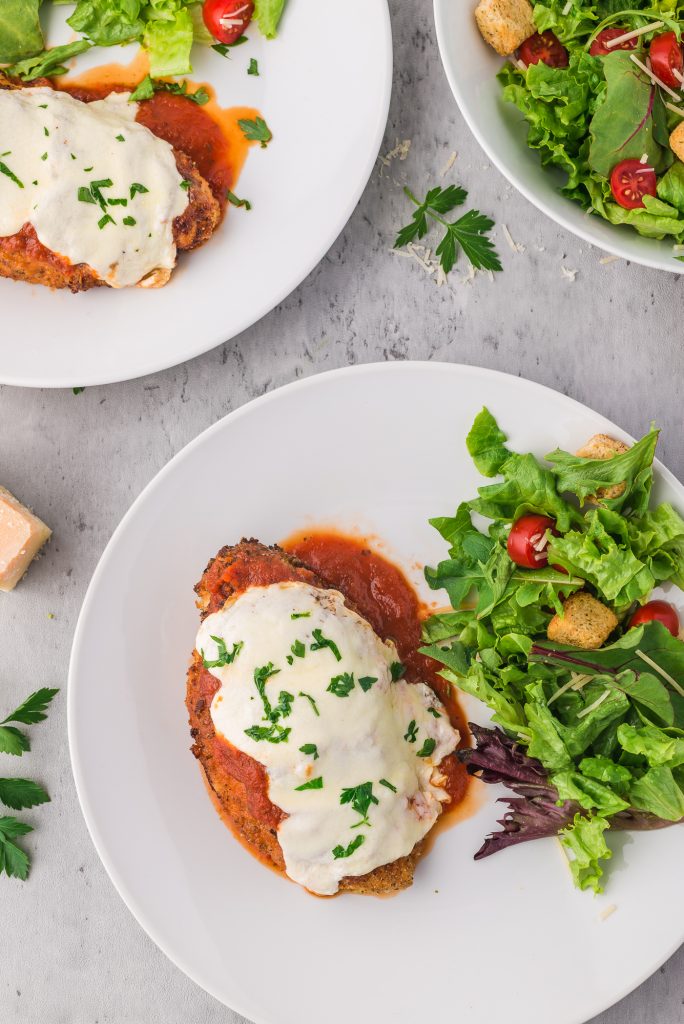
[612,338]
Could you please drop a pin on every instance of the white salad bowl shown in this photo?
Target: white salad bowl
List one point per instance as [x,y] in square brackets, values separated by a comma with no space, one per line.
[471,67]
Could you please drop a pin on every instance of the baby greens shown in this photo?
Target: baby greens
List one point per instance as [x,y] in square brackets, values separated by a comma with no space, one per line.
[600,733]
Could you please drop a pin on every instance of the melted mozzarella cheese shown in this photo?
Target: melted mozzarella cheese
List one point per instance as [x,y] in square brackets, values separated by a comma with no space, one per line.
[54,147]
[343,721]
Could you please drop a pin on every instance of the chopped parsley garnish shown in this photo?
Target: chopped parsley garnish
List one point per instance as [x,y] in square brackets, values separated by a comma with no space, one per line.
[225,657]
[256,131]
[384,782]
[341,851]
[261,676]
[300,615]
[234,201]
[269,733]
[284,706]
[365,682]
[119,138]
[253,68]
[312,702]
[411,733]
[311,784]
[78,391]
[104,221]
[42,106]
[298,649]
[273,733]
[73,156]
[469,232]
[223,48]
[137,187]
[360,797]
[87,170]
[342,685]
[397,670]
[117,202]
[323,642]
[130,222]
[44,156]
[149,85]
[185,185]
[86,196]
[310,748]
[427,748]
[434,712]
[4,169]
[45,130]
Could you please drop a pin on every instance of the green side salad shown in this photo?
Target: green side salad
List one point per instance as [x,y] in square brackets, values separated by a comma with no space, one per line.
[166,29]
[602,108]
[588,738]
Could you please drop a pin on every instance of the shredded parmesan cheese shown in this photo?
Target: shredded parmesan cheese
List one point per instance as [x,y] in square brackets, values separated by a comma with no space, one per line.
[566,10]
[568,274]
[654,78]
[661,671]
[678,75]
[448,165]
[644,159]
[514,246]
[520,65]
[609,259]
[633,35]
[607,911]
[675,110]
[592,707]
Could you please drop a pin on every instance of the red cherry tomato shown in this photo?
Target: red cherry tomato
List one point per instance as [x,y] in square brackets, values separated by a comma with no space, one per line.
[227,19]
[666,59]
[657,611]
[544,47]
[527,543]
[630,181]
[599,47]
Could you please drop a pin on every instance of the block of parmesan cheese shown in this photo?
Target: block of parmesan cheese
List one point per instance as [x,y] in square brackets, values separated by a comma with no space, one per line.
[22,535]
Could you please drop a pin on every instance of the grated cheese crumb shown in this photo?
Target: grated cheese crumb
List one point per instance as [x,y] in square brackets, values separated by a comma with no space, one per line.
[607,911]
[448,165]
[513,245]
[605,260]
[568,274]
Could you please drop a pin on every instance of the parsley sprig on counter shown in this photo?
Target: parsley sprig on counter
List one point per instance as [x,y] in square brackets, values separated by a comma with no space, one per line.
[468,233]
[20,794]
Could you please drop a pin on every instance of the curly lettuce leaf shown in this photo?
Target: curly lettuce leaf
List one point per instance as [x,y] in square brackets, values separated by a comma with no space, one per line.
[48,63]
[586,847]
[108,22]
[568,25]
[659,749]
[657,538]
[267,14]
[584,477]
[20,32]
[168,43]
[486,444]
[658,793]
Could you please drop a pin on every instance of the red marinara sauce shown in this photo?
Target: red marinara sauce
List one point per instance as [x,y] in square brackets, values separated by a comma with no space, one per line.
[383,595]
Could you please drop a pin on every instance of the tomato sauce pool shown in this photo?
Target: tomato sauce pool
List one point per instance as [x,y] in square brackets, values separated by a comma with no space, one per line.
[384,596]
[207,133]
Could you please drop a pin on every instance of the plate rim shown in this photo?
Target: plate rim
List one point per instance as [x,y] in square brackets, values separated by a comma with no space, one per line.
[500,162]
[296,279]
[399,367]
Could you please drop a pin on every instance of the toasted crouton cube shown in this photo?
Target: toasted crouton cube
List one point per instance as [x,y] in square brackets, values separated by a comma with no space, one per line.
[22,535]
[677,141]
[603,447]
[585,623]
[505,24]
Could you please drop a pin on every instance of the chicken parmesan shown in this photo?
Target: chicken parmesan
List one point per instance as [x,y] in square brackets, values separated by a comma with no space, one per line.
[89,196]
[320,753]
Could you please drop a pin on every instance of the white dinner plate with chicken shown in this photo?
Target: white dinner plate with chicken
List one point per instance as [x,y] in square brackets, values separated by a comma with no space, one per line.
[263,746]
[150,212]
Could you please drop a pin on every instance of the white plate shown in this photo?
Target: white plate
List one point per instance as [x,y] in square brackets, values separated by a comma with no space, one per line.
[380,448]
[471,67]
[326,101]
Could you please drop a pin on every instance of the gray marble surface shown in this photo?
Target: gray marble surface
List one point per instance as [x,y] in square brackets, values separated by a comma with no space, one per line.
[612,337]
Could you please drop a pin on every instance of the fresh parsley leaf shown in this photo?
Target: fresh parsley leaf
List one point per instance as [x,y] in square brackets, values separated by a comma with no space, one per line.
[298,649]
[225,657]
[119,138]
[312,702]
[130,222]
[434,712]
[341,851]
[12,741]
[411,733]
[311,784]
[360,797]
[78,391]
[321,642]
[310,749]
[224,48]
[427,748]
[253,68]
[384,782]
[273,733]
[137,187]
[149,86]
[261,676]
[397,670]
[185,185]
[21,793]
[33,709]
[234,201]
[342,685]
[13,860]
[283,708]
[4,169]
[256,131]
[300,615]
[86,196]
[469,232]
[365,682]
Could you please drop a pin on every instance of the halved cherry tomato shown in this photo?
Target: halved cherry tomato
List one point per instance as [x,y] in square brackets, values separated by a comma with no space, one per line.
[657,611]
[527,542]
[630,181]
[666,59]
[227,19]
[545,47]
[599,47]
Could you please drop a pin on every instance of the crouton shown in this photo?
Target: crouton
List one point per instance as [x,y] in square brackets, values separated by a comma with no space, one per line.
[603,447]
[585,623]
[505,24]
[677,141]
